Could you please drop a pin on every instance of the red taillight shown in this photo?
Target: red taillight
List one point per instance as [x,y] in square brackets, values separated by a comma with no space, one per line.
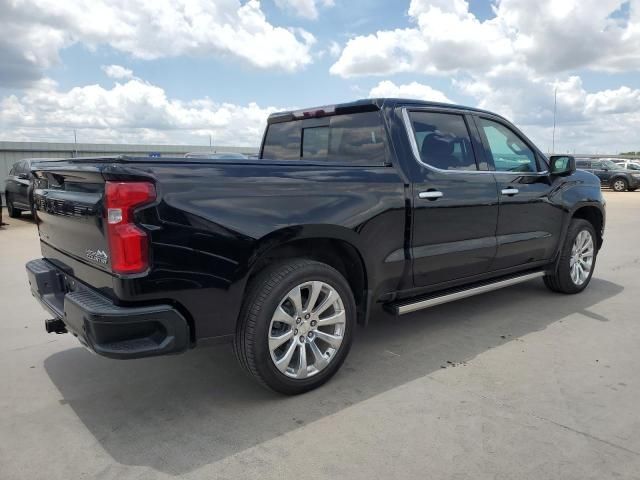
[128,244]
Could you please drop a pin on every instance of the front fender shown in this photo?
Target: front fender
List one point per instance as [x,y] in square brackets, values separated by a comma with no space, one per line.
[579,190]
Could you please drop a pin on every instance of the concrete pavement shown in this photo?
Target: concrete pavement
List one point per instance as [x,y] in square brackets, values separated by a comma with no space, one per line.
[519,383]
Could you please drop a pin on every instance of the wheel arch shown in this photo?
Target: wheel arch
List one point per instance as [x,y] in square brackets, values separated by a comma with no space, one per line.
[618,176]
[334,250]
[593,215]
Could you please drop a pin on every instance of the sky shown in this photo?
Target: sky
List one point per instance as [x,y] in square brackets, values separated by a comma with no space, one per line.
[187,71]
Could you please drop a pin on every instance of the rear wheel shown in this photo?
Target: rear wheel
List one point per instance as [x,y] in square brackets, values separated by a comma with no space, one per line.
[295,329]
[13,211]
[577,259]
[619,185]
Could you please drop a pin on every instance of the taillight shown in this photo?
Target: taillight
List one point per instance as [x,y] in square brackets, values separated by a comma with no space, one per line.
[128,244]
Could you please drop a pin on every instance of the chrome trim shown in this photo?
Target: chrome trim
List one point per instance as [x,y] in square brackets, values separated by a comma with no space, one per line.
[430,195]
[450,297]
[510,191]
[416,151]
[449,248]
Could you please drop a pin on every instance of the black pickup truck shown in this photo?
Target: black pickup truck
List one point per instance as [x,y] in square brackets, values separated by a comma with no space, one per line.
[400,202]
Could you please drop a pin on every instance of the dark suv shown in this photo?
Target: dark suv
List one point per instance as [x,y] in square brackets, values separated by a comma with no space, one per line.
[18,191]
[611,174]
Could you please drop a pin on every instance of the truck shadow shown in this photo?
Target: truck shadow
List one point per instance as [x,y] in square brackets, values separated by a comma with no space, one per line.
[176,414]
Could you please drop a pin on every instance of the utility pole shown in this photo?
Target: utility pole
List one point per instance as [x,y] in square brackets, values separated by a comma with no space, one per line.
[211,143]
[75,142]
[555,103]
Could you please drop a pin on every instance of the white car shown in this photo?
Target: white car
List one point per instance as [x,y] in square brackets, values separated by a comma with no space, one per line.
[629,164]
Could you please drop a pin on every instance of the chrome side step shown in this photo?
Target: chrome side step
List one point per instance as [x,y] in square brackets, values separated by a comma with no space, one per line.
[402,308]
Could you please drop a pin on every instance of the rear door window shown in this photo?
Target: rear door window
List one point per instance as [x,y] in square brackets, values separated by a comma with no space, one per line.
[443,140]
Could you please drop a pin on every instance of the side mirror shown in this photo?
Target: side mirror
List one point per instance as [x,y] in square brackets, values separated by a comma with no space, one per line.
[23,176]
[562,164]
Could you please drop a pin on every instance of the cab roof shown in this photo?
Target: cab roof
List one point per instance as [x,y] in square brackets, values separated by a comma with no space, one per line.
[362,105]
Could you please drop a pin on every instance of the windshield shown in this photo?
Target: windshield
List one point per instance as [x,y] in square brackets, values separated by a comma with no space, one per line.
[610,165]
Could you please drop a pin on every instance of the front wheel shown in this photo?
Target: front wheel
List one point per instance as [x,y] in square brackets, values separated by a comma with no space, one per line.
[577,259]
[13,211]
[296,326]
[619,185]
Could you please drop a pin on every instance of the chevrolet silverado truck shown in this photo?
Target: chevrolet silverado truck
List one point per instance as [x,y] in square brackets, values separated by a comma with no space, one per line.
[402,203]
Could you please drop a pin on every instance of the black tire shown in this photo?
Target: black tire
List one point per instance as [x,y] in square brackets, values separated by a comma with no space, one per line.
[560,281]
[263,296]
[11,210]
[619,185]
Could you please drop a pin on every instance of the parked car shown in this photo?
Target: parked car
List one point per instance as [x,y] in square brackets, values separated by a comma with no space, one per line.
[610,174]
[18,192]
[628,164]
[402,203]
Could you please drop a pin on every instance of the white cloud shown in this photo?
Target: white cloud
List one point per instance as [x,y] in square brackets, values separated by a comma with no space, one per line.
[413,90]
[117,71]
[512,63]
[131,112]
[304,8]
[34,31]
[601,121]
[620,100]
[546,36]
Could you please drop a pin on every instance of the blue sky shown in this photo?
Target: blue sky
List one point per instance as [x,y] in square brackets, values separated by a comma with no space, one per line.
[188,70]
[186,77]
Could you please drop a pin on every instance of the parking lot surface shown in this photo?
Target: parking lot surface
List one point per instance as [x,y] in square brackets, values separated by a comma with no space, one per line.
[518,383]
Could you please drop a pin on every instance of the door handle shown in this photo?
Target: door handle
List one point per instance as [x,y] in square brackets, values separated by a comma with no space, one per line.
[510,191]
[430,194]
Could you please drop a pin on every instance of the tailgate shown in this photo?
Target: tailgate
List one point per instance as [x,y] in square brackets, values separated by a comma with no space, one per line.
[69,203]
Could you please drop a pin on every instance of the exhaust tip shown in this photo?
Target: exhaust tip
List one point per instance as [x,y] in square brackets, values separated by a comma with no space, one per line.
[55,325]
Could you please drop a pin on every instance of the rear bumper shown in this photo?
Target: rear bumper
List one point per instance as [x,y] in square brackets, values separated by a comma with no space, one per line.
[103,327]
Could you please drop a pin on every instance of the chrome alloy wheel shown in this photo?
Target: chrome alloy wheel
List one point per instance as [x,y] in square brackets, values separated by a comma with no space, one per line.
[307,329]
[582,254]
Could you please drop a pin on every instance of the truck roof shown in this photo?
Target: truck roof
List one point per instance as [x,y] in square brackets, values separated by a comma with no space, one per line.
[362,105]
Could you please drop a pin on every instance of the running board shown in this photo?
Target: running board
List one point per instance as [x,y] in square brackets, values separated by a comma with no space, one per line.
[412,305]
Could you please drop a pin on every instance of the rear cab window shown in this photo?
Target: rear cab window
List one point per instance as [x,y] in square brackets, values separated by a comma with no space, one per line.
[357,138]
[282,141]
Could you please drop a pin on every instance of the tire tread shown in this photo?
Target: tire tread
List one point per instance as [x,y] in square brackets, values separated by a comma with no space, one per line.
[558,281]
[258,292]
